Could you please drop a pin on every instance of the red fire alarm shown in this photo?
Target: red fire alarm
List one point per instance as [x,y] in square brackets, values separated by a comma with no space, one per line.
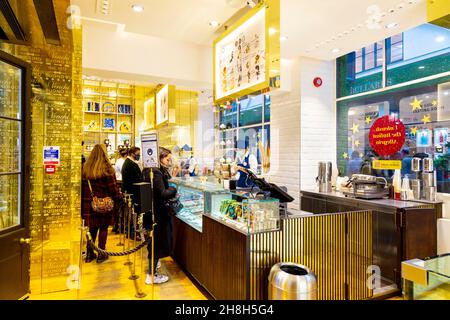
[50,169]
[318,82]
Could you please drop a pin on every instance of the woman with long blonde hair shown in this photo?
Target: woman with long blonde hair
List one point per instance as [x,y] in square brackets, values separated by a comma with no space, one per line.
[99,180]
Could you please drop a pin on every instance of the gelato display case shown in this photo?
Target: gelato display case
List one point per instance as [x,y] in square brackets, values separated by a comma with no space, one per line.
[427,279]
[235,209]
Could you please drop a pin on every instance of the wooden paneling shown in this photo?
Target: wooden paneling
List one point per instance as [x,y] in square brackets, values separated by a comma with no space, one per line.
[187,244]
[420,233]
[226,261]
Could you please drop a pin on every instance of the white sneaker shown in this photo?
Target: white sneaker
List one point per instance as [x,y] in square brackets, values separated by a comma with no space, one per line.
[159,278]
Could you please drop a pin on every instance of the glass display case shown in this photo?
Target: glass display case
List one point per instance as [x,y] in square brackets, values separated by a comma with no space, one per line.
[427,279]
[236,209]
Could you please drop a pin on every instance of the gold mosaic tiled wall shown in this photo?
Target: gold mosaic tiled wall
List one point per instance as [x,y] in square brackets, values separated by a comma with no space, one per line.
[56,121]
[181,127]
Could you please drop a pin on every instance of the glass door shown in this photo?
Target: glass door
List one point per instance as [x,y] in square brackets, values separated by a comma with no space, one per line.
[14,226]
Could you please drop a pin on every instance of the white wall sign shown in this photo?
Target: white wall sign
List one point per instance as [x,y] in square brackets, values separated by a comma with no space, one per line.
[52,155]
[240,57]
[162,105]
[150,154]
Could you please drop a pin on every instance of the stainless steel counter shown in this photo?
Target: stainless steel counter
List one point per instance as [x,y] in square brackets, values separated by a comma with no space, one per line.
[378,202]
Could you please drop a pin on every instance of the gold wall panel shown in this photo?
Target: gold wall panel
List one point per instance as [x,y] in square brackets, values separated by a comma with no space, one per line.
[56,121]
[437,9]
[180,129]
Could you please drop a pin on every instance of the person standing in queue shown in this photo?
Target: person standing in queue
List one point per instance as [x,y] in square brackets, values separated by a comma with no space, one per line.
[163,229]
[123,153]
[131,174]
[247,161]
[99,180]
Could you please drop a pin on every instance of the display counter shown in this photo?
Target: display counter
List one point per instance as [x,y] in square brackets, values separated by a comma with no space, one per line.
[228,242]
[401,230]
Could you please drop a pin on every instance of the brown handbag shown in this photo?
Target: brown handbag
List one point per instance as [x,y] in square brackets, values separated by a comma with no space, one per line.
[101,205]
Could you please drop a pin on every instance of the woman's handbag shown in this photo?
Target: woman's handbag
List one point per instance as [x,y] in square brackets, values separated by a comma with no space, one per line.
[174,206]
[101,205]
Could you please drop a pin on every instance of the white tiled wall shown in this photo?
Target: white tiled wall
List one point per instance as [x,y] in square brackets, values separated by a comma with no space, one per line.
[303,125]
[318,118]
[285,135]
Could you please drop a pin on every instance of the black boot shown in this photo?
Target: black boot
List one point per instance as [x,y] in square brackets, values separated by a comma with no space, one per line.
[90,255]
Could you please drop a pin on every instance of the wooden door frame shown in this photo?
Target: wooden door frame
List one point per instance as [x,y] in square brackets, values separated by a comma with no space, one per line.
[23,229]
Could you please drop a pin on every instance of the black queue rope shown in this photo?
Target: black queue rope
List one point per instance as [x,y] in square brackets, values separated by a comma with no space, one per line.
[116,254]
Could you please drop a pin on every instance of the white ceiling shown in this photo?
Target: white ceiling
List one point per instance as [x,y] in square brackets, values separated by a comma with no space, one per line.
[183,20]
[313,27]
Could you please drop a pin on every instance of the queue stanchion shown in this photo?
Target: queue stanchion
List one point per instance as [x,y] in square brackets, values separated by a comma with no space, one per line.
[133,275]
[153,238]
[80,262]
[124,220]
[138,284]
[128,262]
[120,224]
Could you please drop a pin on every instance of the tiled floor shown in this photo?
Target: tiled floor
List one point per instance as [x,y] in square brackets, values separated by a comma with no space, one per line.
[110,281]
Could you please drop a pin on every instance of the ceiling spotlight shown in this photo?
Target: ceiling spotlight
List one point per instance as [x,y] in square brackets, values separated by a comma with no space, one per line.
[214,23]
[335,50]
[440,39]
[251,3]
[392,25]
[283,38]
[138,7]
[422,67]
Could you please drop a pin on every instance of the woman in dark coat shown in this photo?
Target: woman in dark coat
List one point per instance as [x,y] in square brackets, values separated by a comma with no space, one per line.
[163,228]
[101,175]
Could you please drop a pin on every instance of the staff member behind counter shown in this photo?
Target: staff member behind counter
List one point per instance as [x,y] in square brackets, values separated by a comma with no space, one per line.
[248,161]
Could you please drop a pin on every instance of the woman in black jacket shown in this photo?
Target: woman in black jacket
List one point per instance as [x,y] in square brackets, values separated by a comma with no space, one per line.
[163,229]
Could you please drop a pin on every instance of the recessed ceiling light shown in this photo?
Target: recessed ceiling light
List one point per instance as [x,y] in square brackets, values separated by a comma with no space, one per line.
[440,39]
[214,23]
[335,50]
[422,67]
[138,7]
[283,38]
[392,25]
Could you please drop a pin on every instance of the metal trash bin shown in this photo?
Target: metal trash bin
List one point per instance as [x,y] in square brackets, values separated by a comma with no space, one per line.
[290,281]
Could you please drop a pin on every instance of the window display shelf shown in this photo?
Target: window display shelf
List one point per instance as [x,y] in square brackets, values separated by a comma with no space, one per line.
[115,105]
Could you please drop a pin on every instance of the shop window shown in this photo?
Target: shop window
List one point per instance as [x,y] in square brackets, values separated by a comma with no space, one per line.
[425,111]
[266,108]
[417,53]
[228,116]
[250,111]
[395,48]
[246,123]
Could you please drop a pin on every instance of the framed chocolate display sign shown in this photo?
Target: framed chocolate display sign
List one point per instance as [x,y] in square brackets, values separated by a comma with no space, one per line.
[246,55]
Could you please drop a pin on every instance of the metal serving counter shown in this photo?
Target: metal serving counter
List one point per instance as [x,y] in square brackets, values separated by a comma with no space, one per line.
[401,230]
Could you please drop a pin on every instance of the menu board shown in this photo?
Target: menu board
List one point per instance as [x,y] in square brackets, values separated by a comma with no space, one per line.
[240,58]
[162,105]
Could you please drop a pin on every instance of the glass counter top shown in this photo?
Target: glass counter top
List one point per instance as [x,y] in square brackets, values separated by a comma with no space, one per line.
[439,265]
[196,183]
